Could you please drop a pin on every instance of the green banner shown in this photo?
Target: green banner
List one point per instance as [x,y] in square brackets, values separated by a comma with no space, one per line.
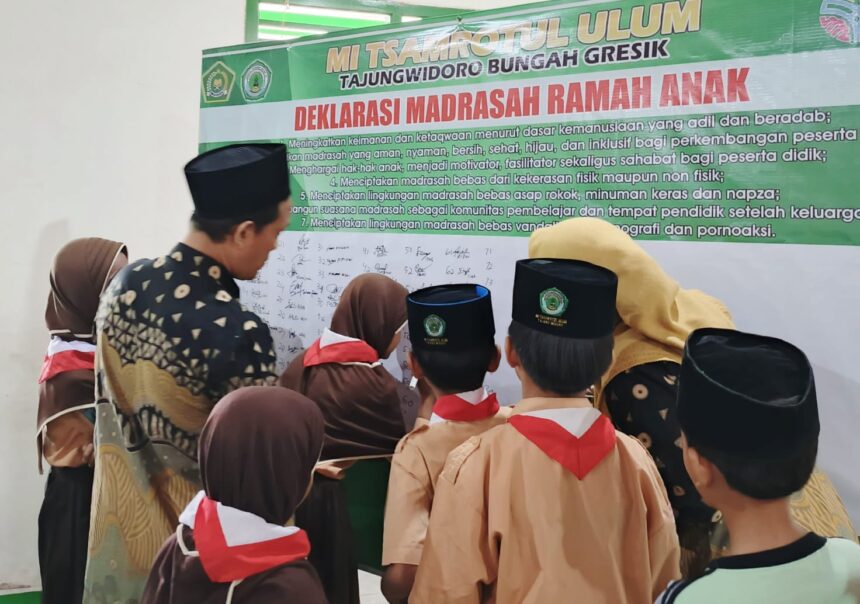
[694,120]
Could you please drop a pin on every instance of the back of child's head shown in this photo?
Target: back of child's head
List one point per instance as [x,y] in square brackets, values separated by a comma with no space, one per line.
[560,365]
[371,308]
[563,318]
[747,404]
[258,450]
[452,331]
[461,371]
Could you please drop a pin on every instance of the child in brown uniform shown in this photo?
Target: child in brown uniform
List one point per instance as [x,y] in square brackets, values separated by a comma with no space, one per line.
[452,331]
[554,505]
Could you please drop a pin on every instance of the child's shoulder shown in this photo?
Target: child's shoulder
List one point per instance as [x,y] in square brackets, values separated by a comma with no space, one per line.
[471,448]
[458,457]
[845,549]
[633,446]
[423,437]
[412,439]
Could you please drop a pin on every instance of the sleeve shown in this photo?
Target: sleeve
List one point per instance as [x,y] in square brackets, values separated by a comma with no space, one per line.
[459,559]
[253,362]
[407,507]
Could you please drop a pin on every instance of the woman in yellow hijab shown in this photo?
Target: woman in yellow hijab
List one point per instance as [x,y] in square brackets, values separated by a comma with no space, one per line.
[638,392]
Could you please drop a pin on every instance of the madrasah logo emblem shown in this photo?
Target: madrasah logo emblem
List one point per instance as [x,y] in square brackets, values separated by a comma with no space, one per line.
[434,326]
[218,83]
[841,20]
[553,302]
[256,80]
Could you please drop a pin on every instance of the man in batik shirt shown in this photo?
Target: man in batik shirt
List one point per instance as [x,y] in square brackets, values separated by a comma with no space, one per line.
[172,340]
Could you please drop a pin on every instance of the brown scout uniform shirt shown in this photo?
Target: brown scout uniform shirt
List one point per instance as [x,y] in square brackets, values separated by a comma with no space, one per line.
[417,463]
[512,525]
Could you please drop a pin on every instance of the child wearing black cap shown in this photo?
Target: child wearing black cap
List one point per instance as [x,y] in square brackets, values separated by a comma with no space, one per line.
[554,505]
[749,415]
[452,331]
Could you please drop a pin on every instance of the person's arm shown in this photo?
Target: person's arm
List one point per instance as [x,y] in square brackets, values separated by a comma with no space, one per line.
[460,558]
[397,582]
[253,360]
[407,513]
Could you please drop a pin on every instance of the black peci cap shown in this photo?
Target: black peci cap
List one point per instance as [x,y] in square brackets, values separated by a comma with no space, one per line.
[238,180]
[450,317]
[566,298]
[746,394]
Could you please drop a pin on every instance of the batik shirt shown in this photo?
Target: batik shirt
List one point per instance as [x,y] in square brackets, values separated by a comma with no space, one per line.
[172,339]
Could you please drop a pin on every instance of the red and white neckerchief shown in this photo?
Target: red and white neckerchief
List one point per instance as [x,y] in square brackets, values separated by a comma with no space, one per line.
[465,407]
[65,356]
[332,347]
[577,438]
[233,545]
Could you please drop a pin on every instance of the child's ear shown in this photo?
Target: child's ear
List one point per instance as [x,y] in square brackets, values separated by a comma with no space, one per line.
[414,366]
[511,354]
[702,472]
[495,361]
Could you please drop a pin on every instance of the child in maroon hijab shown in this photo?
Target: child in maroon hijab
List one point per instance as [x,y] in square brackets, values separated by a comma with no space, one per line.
[257,454]
[64,433]
[343,374]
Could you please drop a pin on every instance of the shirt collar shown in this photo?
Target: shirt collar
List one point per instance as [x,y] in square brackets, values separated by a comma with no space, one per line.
[208,269]
[465,406]
[797,550]
[540,403]
[330,337]
[473,397]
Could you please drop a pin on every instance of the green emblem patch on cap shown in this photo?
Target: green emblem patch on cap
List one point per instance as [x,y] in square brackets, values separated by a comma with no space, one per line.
[434,326]
[553,302]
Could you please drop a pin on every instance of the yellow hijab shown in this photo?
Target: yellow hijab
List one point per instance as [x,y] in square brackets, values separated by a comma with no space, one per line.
[657,317]
[657,314]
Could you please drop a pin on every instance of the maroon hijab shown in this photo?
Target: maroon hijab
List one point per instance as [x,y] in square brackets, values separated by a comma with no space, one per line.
[79,275]
[371,308]
[257,454]
[258,450]
[360,404]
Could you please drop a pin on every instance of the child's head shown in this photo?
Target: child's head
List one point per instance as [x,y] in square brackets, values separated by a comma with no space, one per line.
[563,366]
[372,308]
[748,409]
[452,331]
[82,270]
[563,317]
[258,450]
